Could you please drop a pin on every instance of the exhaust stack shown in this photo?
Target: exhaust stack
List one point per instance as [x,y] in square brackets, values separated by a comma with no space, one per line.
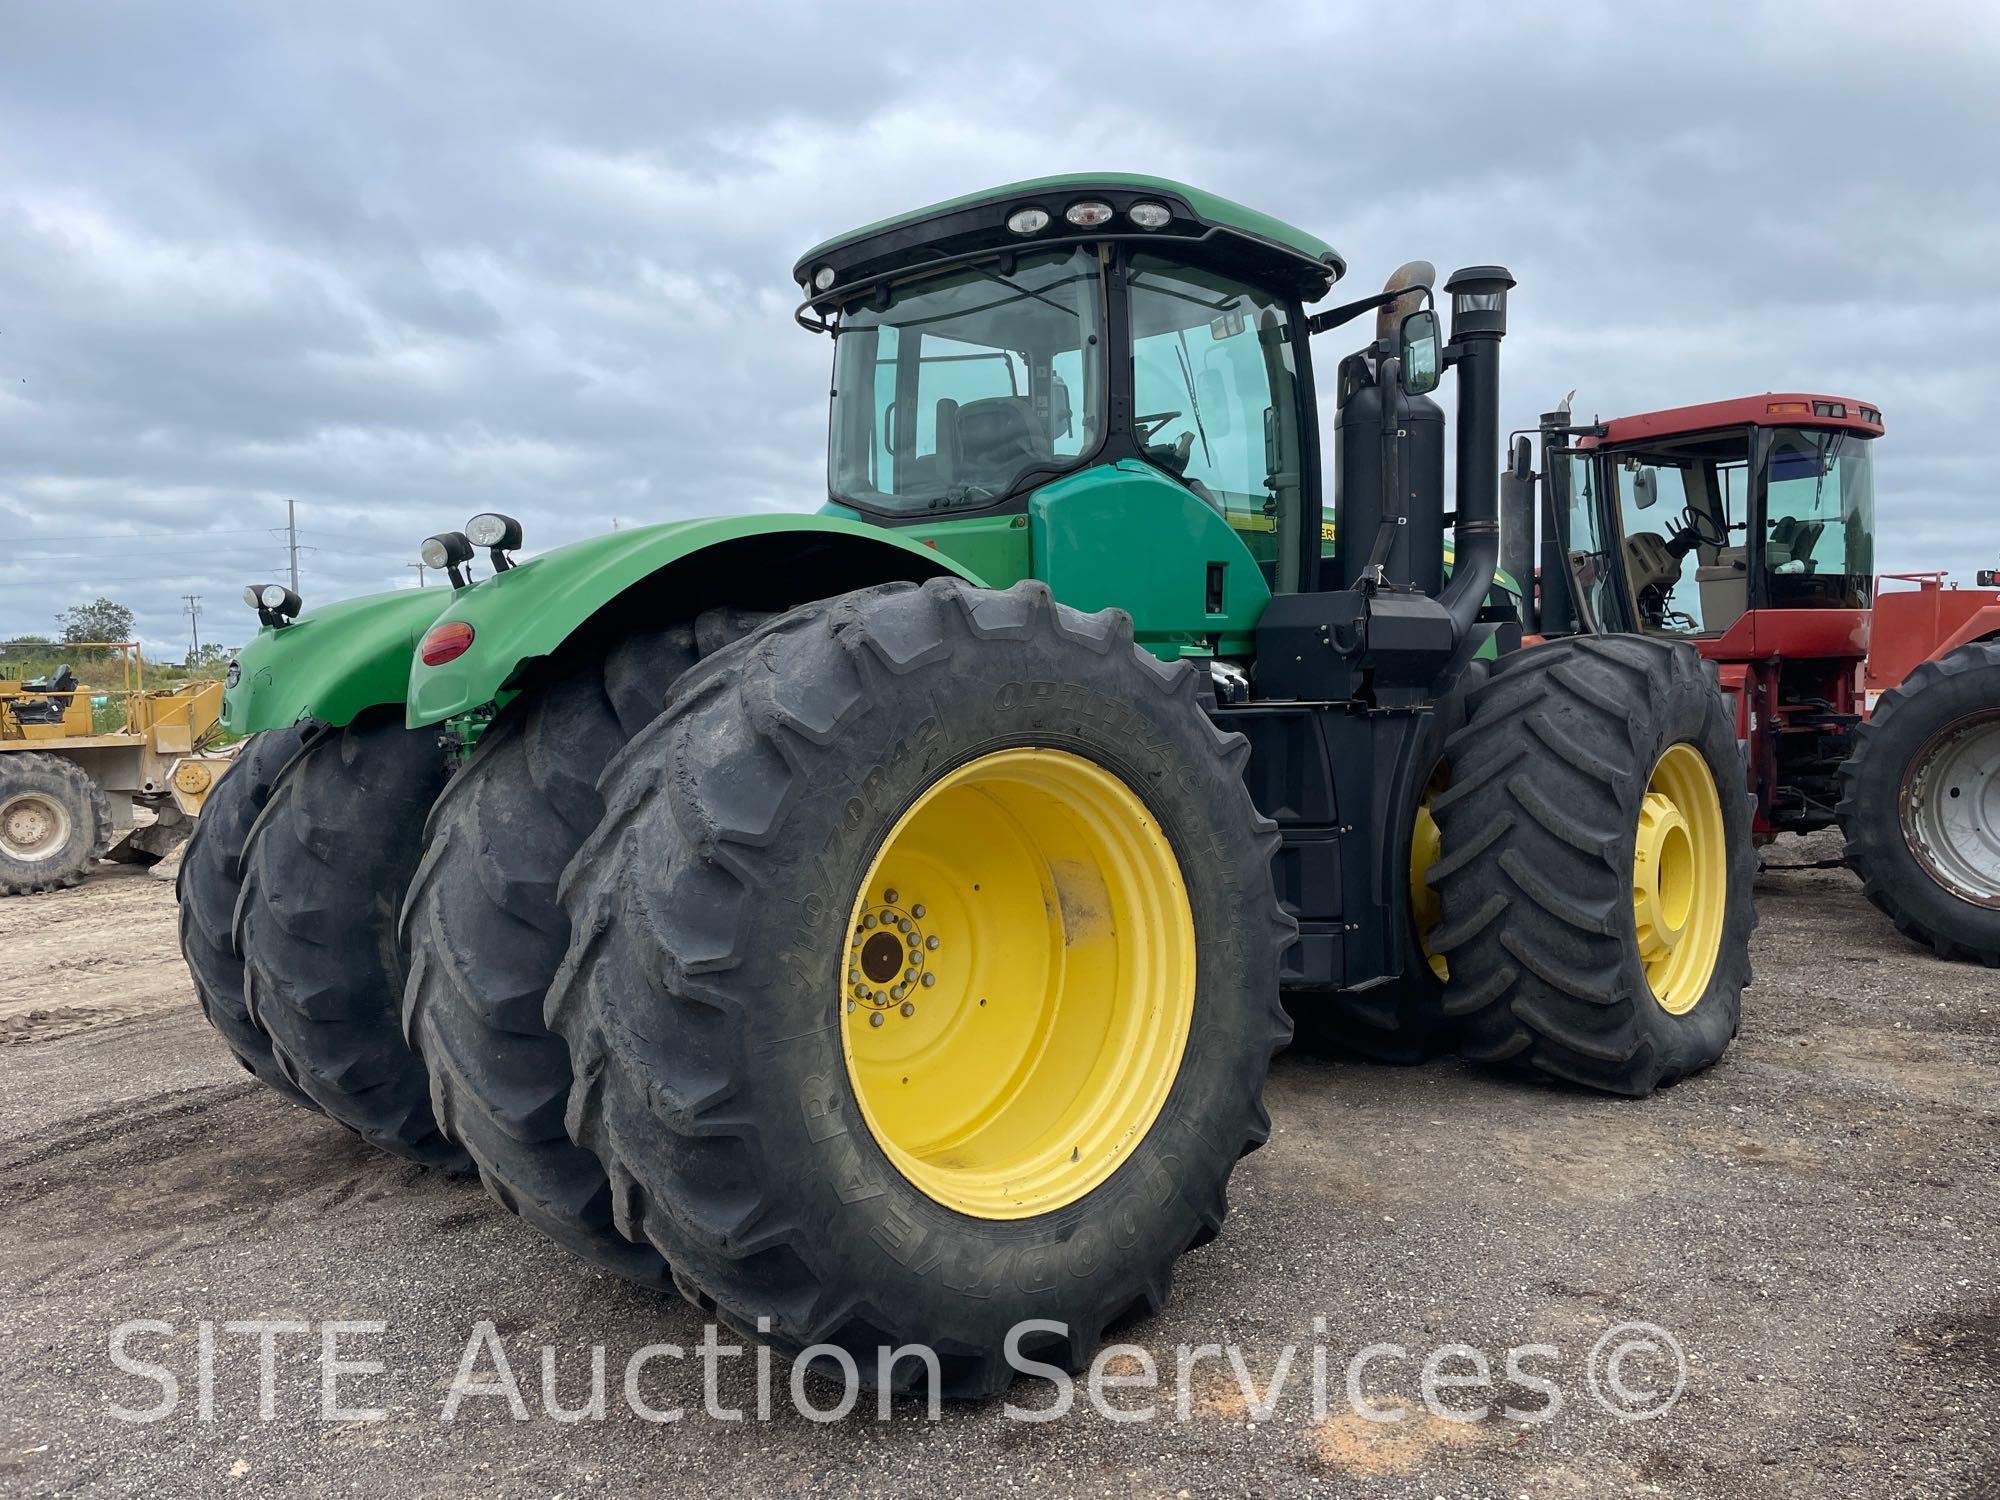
[1478,323]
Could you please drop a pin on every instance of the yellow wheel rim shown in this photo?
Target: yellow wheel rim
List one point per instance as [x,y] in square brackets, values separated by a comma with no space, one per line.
[1426,905]
[1018,983]
[1680,879]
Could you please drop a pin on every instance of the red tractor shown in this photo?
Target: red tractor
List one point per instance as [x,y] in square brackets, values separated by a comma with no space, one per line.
[1748,527]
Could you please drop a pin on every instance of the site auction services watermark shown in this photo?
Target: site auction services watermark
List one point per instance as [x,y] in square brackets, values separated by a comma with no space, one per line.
[1635,1371]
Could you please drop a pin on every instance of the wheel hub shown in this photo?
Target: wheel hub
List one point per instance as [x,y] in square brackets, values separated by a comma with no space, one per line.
[1680,879]
[1017,986]
[32,827]
[1951,809]
[889,956]
[1662,877]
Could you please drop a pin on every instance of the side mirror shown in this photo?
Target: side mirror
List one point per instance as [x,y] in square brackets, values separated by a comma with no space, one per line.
[1421,349]
[1523,458]
[1646,489]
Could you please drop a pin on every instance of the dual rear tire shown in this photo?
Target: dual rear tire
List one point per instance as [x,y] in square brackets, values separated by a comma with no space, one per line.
[485,935]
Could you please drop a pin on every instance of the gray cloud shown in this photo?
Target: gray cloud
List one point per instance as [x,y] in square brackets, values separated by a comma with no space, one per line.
[402,263]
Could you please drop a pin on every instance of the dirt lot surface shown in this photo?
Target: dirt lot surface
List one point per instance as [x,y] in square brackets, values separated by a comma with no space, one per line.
[1815,1222]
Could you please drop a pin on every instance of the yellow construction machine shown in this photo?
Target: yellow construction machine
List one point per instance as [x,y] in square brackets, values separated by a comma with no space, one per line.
[100,768]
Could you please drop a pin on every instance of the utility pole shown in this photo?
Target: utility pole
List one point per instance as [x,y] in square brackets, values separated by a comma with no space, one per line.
[292,538]
[194,623]
[420,572]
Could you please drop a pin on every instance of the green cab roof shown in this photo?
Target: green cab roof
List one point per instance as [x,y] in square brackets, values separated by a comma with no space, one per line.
[976,221]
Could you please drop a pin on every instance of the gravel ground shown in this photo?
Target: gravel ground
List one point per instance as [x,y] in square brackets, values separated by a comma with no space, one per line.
[1815,1222]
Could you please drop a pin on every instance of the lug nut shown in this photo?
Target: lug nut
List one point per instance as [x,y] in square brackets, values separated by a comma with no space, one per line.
[854,976]
[917,910]
[931,942]
[929,980]
[869,920]
[909,1009]
[875,1018]
[890,895]
[909,973]
[881,997]
[916,941]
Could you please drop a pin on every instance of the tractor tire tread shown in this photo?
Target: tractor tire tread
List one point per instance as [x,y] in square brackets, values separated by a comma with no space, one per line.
[1535,874]
[485,934]
[1963,680]
[325,866]
[85,800]
[206,889]
[665,900]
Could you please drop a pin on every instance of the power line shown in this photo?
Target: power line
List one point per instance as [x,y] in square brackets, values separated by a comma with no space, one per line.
[140,536]
[128,556]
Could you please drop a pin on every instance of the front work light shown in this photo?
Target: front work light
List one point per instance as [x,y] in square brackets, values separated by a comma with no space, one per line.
[275,604]
[448,550]
[1028,220]
[491,529]
[823,278]
[1088,214]
[1150,215]
[498,534]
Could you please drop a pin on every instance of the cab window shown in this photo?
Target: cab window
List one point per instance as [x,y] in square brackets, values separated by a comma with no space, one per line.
[1216,402]
[1680,509]
[1592,562]
[962,386]
[1819,519]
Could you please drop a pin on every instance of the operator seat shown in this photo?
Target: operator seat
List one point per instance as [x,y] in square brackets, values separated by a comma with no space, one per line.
[998,436]
[1792,541]
[49,710]
[1649,563]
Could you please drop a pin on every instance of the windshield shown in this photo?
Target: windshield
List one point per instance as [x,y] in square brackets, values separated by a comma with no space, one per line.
[1819,518]
[967,383]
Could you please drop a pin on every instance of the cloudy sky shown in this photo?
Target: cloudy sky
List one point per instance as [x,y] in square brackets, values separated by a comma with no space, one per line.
[402,262]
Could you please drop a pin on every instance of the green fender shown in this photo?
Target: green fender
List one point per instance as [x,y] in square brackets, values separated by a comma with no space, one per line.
[332,663]
[770,561]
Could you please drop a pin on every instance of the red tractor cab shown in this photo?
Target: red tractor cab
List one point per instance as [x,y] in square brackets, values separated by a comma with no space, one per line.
[1747,528]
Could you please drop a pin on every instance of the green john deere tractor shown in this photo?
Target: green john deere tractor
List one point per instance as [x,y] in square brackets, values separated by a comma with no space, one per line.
[886,916]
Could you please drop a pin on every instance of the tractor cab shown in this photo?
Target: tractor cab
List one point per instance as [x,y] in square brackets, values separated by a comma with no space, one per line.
[1128,329]
[1746,526]
[1691,521]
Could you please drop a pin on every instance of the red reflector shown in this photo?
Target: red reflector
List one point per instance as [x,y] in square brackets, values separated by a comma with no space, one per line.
[446,642]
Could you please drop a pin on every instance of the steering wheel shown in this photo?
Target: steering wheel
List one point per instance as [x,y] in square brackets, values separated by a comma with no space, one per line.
[1705,528]
[1149,426]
